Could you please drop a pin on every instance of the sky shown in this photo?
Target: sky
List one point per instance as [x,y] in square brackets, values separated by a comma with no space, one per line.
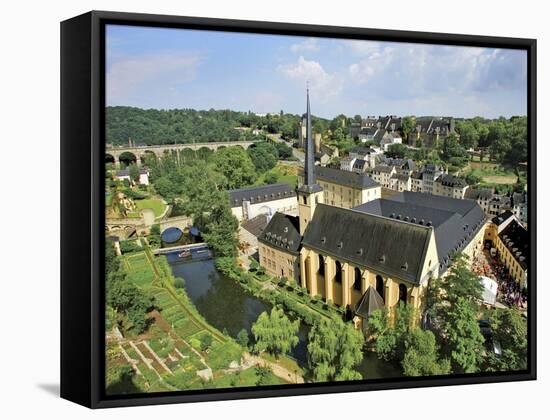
[179,68]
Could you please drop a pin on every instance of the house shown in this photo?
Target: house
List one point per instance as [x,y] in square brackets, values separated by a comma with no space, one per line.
[321,158]
[519,206]
[125,174]
[247,203]
[416,181]
[360,166]
[430,173]
[382,174]
[449,185]
[429,131]
[483,196]
[389,138]
[511,241]
[347,162]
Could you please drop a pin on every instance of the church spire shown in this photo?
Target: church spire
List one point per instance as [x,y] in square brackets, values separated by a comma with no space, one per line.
[309,178]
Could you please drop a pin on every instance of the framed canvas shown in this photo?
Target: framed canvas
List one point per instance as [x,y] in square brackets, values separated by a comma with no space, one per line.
[257,209]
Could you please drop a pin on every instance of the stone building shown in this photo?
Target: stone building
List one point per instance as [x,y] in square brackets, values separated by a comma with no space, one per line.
[378,253]
[450,186]
[343,188]
[247,203]
[511,241]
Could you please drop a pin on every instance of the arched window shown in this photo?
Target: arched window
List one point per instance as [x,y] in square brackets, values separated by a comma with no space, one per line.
[338,275]
[357,279]
[380,286]
[321,270]
[304,199]
[403,293]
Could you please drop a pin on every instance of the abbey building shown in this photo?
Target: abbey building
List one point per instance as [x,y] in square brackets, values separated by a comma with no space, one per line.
[368,251]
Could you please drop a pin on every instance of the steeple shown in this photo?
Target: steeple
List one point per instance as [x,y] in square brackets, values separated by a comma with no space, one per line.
[309,174]
[309,184]
[309,193]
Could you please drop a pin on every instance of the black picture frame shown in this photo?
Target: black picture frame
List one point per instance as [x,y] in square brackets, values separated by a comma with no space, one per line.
[82,204]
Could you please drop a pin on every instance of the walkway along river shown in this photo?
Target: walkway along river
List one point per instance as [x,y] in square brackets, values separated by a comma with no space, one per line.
[225,305]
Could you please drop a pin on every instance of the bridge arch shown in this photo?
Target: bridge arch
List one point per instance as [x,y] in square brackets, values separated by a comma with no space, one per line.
[148,156]
[127,158]
[204,153]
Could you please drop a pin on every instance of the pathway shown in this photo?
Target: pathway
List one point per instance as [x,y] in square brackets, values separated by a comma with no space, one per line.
[277,369]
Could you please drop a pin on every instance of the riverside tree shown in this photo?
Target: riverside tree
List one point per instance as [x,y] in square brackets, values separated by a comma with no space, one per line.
[275,333]
[334,350]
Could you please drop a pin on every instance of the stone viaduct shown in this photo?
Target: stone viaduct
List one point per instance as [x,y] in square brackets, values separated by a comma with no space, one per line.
[113,153]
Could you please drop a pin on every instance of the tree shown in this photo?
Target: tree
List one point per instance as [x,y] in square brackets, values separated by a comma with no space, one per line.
[275,333]
[334,349]
[396,151]
[236,166]
[407,124]
[270,178]
[469,136]
[133,172]
[421,356]
[242,338]
[464,336]
[206,341]
[284,151]
[452,152]
[460,282]
[510,330]
[264,156]
[390,337]
[179,283]
[220,230]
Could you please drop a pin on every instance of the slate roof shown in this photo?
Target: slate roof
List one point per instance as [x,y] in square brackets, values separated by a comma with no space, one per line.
[368,131]
[126,172]
[382,168]
[455,221]
[359,164]
[362,150]
[516,238]
[260,194]
[390,246]
[369,302]
[282,232]
[479,193]
[256,225]
[346,178]
[449,180]
[503,217]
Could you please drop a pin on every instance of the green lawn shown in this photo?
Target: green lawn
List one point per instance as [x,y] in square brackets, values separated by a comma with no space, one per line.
[151,203]
[284,173]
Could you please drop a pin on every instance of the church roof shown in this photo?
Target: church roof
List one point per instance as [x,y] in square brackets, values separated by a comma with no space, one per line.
[283,232]
[260,194]
[369,302]
[390,246]
[455,221]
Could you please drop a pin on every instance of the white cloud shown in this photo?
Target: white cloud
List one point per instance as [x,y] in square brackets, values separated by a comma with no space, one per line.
[309,44]
[127,76]
[312,72]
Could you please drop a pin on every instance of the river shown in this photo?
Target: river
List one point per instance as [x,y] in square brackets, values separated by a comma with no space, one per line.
[226,305]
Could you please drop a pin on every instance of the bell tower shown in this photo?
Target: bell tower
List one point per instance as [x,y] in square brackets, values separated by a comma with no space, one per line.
[309,193]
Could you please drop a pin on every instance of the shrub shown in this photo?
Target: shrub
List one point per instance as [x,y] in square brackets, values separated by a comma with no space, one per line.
[205,341]
[179,283]
[129,246]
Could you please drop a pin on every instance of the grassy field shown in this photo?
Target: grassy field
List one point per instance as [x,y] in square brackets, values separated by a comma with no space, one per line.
[284,173]
[492,173]
[156,204]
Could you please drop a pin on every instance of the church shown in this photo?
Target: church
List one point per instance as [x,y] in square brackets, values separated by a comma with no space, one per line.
[378,253]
